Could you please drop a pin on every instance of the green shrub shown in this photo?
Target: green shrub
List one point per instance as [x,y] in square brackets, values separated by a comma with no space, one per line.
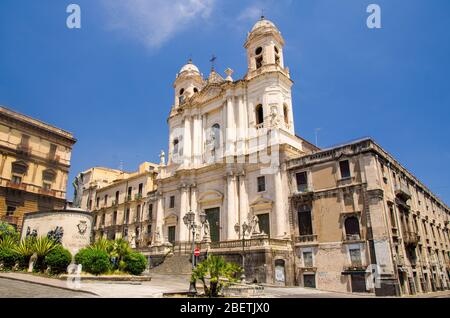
[94,261]
[9,258]
[58,260]
[7,230]
[136,263]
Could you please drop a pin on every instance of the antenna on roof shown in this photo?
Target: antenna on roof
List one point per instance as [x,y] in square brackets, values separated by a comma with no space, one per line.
[262,14]
[316,131]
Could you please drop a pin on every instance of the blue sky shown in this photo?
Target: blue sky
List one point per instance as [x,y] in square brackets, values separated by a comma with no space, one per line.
[110,83]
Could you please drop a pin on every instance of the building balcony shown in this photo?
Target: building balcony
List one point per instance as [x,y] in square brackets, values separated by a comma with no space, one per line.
[411,238]
[16,186]
[352,237]
[115,203]
[47,192]
[138,196]
[306,239]
[54,159]
[355,266]
[12,220]
[402,191]
[24,150]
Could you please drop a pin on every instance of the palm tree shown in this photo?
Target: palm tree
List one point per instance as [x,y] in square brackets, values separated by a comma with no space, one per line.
[218,271]
[7,242]
[41,247]
[102,245]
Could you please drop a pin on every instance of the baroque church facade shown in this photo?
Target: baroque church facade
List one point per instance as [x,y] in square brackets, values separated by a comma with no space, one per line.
[263,197]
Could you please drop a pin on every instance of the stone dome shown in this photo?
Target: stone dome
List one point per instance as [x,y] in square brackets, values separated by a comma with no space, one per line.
[190,67]
[264,23]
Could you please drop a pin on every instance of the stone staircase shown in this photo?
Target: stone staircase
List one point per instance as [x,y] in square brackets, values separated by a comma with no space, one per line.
[174,265]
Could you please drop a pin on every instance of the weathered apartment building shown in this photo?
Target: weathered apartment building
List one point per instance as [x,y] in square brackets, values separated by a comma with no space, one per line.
[354,211]
[34,166]
[120,201]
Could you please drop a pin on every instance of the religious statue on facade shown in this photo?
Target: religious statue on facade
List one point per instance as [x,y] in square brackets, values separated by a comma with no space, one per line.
[275,121]
[206,231]
[162,158]
[255,225]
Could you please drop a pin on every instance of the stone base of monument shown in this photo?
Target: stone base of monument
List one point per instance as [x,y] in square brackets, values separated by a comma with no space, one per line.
[110,278]
[243,290]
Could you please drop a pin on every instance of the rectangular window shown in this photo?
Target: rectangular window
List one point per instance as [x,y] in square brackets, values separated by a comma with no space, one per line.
[345,169]
[355,257]
[117,197]
[150,212]
[130,191]
[10,210]
[127,216]
[106,200]
[52,153]
[302,181]
[47,186]
[261,184]
[16,179]
[308,259]
[149,229]
[114,218]
[392,215]
[305,223]
[141,188]
[172,202]
[97,203]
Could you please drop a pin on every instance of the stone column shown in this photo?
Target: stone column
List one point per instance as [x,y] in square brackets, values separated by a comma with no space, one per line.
[159,239]
[231,213]
[243,127]
[243,199]
[197,140]
[184,208]
[187,142]
[230,128]
[279,210]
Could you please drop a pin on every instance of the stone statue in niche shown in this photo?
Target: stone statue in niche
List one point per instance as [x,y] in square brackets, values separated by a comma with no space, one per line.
[275,120]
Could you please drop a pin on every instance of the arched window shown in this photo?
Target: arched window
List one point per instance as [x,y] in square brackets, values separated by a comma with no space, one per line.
[286,114]
[277,56]
[181,97]
[216,135]
[195,90]
[176,143]
[259,57]
[259,115]
[352,228]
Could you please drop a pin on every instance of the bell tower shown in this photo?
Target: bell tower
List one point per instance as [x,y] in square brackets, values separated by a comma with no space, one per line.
[264,47]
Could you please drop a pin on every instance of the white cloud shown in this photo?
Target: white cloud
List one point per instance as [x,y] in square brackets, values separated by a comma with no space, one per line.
[252,13]
[154,22]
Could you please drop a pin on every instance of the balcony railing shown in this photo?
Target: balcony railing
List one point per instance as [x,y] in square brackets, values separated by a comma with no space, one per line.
[402,191]
[411,238]
[250,243]
[138,196]
[115,203]
[306,239]
[47,192]
[352,237]
[355,266]
[23,149]
[17,186]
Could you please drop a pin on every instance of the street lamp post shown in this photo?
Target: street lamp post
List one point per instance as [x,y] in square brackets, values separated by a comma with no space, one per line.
[245,228]
[189,221]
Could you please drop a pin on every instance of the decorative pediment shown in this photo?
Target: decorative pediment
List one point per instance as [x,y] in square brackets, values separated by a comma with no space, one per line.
[49,175]
[19,167]
[210,92]
[261,203]
[171,219]
[210,197]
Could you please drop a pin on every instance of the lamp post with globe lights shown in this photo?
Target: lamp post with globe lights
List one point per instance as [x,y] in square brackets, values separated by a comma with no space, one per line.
[189,221]
[242,231]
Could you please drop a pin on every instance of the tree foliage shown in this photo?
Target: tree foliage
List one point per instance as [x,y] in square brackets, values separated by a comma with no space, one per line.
[219,273]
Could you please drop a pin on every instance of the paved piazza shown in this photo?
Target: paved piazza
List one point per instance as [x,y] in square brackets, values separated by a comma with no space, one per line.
[27,287]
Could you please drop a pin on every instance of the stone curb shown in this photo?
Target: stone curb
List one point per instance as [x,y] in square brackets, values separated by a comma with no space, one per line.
[47,285]
[130,279]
